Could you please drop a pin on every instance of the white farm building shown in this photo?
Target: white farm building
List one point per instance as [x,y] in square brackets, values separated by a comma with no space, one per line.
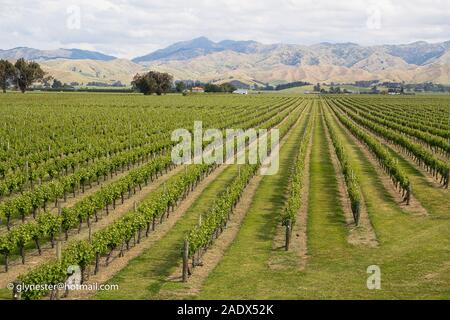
[241,91]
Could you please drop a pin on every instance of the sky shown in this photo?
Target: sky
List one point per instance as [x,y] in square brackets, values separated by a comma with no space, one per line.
[127,29]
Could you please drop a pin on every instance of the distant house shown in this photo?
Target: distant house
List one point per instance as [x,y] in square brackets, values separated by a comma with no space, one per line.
[198,89]
[241,91]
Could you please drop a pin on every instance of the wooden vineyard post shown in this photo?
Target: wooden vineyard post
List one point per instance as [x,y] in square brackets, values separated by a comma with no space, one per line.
[58,249]
[448,178]
[198,262]
[408,195]
[59,245]
[27,172]
[6,262]
[90,234]
[97,262]
[185,260]
[129,137]
[357,213]
[288,233]
[17,292]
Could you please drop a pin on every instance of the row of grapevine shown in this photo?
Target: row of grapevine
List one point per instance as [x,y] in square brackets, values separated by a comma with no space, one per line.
[31,201]
[431,140]
[83,211]
[436,167]
[31,173]
[40,137]
[35,175]
[88,208]
[268,123]
[118,235]
[202,236]
[294,198]
[350,177]
[417,114]
[384,158]
[217,217]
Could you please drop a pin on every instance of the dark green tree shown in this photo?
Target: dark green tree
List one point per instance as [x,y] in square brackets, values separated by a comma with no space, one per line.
[374,89]
[210,87]
[317,88]
[152,82]
[6,73]
[335,90]
[26,73]
[57,84]
[46,81]
[228,87]
[180,86]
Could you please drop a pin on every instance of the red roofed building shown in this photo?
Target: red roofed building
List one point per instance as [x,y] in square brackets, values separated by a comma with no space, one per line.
[198,89]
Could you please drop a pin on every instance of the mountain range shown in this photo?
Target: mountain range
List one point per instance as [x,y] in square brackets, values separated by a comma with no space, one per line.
[253,62]
[36,54]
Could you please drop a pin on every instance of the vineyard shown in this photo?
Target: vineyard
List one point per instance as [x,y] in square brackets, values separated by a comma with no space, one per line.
[88,180]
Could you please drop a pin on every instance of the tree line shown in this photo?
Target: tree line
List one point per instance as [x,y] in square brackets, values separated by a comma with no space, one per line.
[21,74]
[186,85]
[268,87]
[158,83]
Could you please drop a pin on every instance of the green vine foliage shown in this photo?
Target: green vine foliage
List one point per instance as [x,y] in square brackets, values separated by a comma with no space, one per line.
[117,234]
[385,159]
[350,177]
[422,155]
[202,236]
[158,204]
[294,201]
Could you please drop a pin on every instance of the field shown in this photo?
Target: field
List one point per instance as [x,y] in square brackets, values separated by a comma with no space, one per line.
[310,88]
[88,180]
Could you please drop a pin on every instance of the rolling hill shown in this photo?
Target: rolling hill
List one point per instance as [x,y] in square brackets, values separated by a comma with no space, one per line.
[42,55]
[86,70]
[254,62]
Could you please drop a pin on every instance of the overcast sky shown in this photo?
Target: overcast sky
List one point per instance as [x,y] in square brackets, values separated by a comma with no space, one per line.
[137,27]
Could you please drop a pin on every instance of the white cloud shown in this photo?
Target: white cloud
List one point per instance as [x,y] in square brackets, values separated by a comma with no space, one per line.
[135,27]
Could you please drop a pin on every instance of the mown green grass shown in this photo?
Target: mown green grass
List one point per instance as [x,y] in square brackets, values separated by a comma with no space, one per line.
[297,90]
[435,200]
[413,250]
[5,294]
[244,269]
[413,253]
